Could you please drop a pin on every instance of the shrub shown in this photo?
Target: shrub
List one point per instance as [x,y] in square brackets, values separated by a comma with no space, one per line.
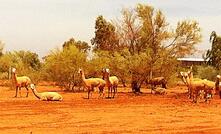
[206,72]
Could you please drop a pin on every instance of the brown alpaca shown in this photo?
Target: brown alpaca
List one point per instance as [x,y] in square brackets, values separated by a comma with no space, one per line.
[90,83]
[111,82]
[20,82]
[218,86]
[157,81]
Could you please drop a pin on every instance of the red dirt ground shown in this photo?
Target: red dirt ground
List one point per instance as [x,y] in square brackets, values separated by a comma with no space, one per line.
[127,114]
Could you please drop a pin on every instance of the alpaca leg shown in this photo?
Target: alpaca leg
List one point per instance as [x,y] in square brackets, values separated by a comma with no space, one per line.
[20,91]
[27,91]
[190,93]
[88,94]
[115,91]
[56,98]
[108,92]
[152,88]
[101,92]
[220,94]
[111,91]
[16,91]
[43,99]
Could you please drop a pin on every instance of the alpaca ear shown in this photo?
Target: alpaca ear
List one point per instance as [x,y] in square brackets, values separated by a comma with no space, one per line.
[191,68]
[32,86]
[103,70]
[13,70]
[79,70]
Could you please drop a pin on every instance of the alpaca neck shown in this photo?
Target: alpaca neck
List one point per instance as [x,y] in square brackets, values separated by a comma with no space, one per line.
[184,80]
[14,78]
[217,84]
[190,79]
[36,93]
[107,78]
[82,76]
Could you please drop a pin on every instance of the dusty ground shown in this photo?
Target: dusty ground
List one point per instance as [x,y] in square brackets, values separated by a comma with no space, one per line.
[128,113]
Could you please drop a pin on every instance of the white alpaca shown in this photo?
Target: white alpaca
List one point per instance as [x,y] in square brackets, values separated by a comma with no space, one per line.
[46,96]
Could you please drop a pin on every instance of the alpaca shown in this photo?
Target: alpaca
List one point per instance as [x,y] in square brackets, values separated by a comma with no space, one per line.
[199,86]
[184,76]
[157,81]
[46,96]
[20,82]
[195,87]
[218,85]
[90,83]
[111,81]
[159,90]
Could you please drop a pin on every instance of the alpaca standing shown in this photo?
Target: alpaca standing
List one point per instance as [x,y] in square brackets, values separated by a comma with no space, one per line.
[90,83]
[218,85]
[196,87]
[111,81]
[46,96]
[20,82]
[157,81]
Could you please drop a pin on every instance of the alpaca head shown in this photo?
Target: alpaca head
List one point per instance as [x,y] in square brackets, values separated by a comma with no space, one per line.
[184,76]
[32,86]
[107,70]
[80,70]
[218,76]
[13,70]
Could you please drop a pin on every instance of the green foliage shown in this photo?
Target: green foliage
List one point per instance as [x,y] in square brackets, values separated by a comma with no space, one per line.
[105,36]
[62,66]
[206,72]
[29,59]
[214,55]
[186,36]
[81,45]
[152,45]
[1,48]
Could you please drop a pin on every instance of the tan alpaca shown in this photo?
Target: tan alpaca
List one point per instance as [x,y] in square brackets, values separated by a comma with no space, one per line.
[198,86]
[20,82]
[111,82]
[91,83]
[46,96]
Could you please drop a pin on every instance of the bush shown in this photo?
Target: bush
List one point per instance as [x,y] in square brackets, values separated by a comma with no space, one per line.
[206,72]
[61,66]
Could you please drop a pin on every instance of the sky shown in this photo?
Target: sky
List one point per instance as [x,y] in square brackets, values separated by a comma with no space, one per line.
[43,25]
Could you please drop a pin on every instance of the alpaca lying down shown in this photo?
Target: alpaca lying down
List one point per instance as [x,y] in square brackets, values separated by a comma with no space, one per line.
[46,96]
[159,90]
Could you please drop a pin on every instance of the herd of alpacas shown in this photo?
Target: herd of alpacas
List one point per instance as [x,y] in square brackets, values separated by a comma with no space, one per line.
[110,81]
[196,87]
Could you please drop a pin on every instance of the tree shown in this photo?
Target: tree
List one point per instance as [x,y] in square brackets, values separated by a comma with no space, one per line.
[1,48]
[105,36]
[151,43]
[62,65]
[214,55]
[81,45]
[29,59]
[128,30]
[150,34]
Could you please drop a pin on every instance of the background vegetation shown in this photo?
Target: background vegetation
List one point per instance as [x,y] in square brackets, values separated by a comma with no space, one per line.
[138,46]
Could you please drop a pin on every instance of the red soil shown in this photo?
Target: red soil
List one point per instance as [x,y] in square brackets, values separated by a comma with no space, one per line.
[128,113]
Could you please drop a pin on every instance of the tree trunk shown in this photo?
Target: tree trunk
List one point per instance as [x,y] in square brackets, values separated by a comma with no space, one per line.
[135,84]
[123,83]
